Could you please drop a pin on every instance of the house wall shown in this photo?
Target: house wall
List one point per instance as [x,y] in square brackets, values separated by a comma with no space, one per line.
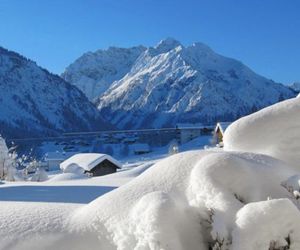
[104,168]
[186,135]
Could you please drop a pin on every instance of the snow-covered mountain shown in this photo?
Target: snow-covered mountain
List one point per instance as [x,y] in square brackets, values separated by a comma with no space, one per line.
[172,83]
[94,72]
[295,86]
[36,102]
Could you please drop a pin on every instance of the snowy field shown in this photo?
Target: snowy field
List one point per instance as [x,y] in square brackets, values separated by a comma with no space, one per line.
[244,197]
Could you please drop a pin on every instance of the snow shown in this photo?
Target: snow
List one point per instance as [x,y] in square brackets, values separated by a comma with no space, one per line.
[272,131]
[86,161]
[181,202]
[278,220]
[295,86]
[95,71]
[171,83]
[223,126]
[241,198]
[35,102]
[178,190]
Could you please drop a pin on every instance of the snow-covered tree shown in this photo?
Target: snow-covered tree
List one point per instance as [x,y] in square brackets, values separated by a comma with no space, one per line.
[40,175]
[8,161]
[173,147]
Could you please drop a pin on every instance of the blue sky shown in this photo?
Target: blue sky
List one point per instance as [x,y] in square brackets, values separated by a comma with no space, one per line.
[264,34]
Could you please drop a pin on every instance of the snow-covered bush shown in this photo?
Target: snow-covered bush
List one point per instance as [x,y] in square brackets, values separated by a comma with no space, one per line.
[173,147]
[40,175]
[272,224]
[189,201]
[206,199]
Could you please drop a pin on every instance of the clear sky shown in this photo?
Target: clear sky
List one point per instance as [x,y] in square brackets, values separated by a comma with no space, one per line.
[264,34]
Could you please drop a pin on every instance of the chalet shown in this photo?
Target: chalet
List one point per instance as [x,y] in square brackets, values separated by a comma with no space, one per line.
[188,131]
[93,163]
[219,132]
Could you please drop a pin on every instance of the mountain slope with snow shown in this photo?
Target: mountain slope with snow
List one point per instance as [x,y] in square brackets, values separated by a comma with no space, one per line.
[36,102]
[94,72]
[295,86]
[191,83]
[172,83]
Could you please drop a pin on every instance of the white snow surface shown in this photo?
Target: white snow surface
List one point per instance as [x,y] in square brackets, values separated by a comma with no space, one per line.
[277,219]
[201,199]
[272,131]
[182,202]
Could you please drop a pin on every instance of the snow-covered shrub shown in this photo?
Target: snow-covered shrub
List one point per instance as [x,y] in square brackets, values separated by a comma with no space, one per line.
[173,147]
[272,224]
[75,169]
[40,175]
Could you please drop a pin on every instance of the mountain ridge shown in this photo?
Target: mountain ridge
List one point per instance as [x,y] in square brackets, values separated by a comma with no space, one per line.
[172,83]
[35,102]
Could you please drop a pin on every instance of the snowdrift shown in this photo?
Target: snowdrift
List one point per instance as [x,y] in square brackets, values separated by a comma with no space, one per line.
[272,131]
[204,199]
[193,200]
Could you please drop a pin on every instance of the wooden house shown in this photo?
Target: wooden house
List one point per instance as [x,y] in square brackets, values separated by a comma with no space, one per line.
[188,131]
[219,132]
[93,163]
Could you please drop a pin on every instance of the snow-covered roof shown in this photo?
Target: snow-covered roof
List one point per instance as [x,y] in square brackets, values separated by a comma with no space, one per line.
[223,126]
[88,161]
[189,125]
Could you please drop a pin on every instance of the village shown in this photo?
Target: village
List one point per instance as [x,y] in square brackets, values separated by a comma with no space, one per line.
[101,153]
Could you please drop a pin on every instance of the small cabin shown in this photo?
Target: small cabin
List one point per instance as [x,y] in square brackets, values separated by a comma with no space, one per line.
[92,163]
[140,148]
[219,132]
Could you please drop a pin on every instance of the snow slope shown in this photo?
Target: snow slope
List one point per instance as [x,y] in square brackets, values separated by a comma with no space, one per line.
[201,199]
[272,131]
[171,83]
[295,86]
[187,201]
[36,102]
[93,72]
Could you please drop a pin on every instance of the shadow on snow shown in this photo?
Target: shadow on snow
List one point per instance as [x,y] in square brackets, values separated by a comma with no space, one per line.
[65,194]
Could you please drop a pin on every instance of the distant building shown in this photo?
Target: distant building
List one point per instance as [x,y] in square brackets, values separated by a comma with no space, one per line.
[188,131]
[140,148]
[219,132]
[92,163]
[52,160]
